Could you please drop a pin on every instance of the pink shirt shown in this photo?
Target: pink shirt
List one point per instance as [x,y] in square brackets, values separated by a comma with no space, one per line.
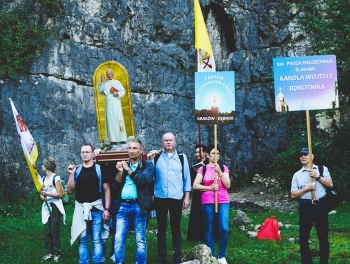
[208,197]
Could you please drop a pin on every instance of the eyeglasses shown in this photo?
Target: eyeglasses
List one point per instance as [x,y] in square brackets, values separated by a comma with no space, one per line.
[85,152]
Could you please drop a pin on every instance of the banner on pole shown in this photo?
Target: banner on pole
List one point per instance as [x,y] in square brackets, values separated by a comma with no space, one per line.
[215,97]
[305,83]
[205,58]
[29,147]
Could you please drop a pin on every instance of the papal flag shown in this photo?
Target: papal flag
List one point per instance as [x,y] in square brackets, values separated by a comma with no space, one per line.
[205,58]
[28,145]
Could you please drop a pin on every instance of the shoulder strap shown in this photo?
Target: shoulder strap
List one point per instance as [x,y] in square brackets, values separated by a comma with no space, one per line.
[53,181]
[99,175]
[98,171]
[320,169]
[76,174]
[205,168]
[156,159]
[181,157]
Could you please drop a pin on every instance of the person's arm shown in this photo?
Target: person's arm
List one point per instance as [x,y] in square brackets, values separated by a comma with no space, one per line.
[224,176]
[328,183]
[141,177]
[101,85]
[107,192]
[186,202]
[300,192]
[54,195]
[326,180]
[71,184]
[187,183]
[200,187]
[121,90]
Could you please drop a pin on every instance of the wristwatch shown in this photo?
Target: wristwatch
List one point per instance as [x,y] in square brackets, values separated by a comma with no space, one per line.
[318,178]
[108,209]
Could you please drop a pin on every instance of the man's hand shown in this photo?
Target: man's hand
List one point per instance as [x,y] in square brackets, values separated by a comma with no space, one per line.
[311,186]
[186,203]
[115,94]
[71,169]
[106,215]
[102,78]
[313,173]
[152,154]
[119,166]
[97,152]
[125,165]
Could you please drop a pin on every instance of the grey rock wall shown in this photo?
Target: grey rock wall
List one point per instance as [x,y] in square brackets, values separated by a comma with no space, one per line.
[154,41]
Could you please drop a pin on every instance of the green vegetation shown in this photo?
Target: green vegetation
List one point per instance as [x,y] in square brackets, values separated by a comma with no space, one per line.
[23,33]
[22,239]
[327,22]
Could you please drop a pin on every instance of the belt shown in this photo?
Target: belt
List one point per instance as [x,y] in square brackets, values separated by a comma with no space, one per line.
[128,200]
[310,201]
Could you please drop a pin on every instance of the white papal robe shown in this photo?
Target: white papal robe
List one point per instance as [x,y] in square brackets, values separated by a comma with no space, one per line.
[114,112]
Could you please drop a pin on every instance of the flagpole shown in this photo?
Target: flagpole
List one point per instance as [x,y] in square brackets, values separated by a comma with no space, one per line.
[216,162]
[310,149]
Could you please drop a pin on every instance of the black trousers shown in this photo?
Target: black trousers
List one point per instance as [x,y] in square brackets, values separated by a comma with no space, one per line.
[174,207]
[310,214]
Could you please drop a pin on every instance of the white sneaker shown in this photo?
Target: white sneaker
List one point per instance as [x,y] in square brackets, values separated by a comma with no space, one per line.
[222,261]
[112,258]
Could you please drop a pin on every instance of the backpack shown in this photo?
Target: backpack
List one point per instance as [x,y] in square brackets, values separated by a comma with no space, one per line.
[333,197]
[98,171]
[269,230]
[65,196]
[181,157]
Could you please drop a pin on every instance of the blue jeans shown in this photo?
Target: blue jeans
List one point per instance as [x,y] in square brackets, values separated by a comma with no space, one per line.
[163,205]
[223,217]
[130,214]
[112,227]
[308,215]
[93,227]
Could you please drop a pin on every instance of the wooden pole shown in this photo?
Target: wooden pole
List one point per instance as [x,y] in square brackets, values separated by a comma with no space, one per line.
[216,162]
[310,149]
[199,141]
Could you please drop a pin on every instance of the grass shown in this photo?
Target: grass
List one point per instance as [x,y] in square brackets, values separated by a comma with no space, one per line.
[22,240]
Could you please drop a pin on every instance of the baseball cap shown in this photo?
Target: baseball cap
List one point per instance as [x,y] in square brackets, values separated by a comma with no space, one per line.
[304,151]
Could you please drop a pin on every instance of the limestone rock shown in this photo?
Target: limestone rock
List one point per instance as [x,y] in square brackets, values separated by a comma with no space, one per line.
[199,254]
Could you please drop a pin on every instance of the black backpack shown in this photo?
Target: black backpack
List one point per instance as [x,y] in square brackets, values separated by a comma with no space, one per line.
[333,196]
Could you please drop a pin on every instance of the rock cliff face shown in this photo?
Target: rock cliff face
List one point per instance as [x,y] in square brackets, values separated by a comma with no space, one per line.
[154,41]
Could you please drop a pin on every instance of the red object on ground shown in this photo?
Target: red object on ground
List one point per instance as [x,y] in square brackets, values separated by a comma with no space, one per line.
[269,230]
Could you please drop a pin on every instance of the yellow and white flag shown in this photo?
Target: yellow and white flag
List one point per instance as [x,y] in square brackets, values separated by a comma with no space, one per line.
[205,58]
[28,145]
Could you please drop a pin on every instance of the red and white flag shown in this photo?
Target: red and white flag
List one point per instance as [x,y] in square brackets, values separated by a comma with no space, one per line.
[28,145]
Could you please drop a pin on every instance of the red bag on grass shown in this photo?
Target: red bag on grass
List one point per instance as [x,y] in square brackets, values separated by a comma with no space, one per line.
[269,230]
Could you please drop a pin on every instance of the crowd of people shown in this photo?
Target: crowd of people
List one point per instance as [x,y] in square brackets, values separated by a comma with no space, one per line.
[114,199]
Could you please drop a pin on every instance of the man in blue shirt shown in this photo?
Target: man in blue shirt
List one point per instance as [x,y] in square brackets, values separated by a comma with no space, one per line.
[133,183]
[312,211]
[172,187]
